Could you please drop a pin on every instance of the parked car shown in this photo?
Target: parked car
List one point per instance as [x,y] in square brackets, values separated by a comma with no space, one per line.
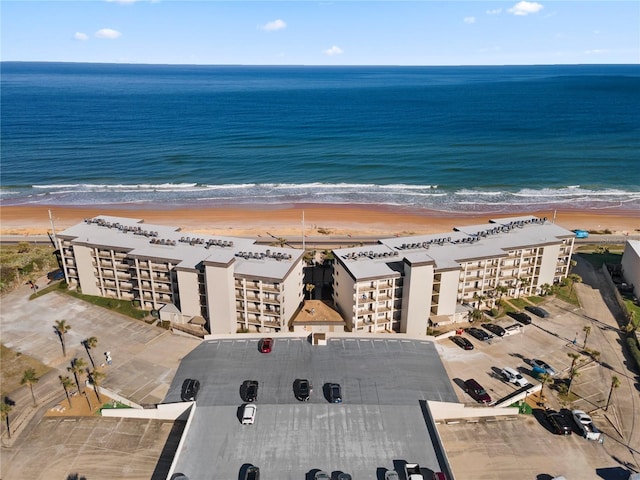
[344,476]
[513,376]
[560,424]
[478,333]
[439,476]
[249,414]
[190,389]
[543,366]
[302,389]
[585,425]
[476,391]
[391,475]
[521,317]
[266,345]
[493,328]
[321,476]
[538,311]
[251,391]
[252,473]
[462,342]
[55,275]
[512,329]
[335,393]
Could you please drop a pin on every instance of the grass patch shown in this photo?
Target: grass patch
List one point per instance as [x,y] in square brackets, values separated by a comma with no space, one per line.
[568,294]
[523,407]
[23,262]
[519,303]
[125,307]
[536,300]
[598,259]
[113,404]
[14,364]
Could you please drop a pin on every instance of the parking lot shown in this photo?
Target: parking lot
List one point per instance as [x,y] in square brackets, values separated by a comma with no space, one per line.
[525,448]
[379,423]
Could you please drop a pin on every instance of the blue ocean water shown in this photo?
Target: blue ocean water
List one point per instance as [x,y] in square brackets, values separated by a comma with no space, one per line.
[445,138]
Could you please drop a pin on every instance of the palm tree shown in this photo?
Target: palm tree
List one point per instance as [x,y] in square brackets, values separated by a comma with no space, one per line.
[501,290]
[30,378]
[309,287]
[547,289]
[66,383]
[89,343]
[5,409]
[544,378]
[573,278]
[480,298]
[587,330]
[96,377]
[475,314]
[573,371]
[61,328]
[77,367]
[615,383]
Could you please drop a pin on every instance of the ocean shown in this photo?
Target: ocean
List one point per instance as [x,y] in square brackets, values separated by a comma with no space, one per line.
[454,139]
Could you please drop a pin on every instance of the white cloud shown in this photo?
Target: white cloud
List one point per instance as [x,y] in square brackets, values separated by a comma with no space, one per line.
[108,33]
[597,51]
[495,11]
[335,50]
[469,20]
[80,36]
[273,26]
[525,8]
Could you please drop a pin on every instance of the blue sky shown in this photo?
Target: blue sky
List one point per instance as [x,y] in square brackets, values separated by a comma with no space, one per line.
[322,33]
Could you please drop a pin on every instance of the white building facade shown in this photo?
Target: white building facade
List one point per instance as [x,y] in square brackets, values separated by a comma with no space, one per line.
[408,283]
[631,264]
[229,282]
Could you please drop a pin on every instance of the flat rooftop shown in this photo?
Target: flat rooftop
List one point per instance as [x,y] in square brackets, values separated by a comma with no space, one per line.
[379,424]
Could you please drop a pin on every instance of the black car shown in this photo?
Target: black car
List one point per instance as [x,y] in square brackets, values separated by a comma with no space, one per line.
[302,389]
[335,393]
[252,473]
[495,329]
[540,312]
[478,333]
[559,423]
[251,391]
[190,388]
[462,342]
[521,317]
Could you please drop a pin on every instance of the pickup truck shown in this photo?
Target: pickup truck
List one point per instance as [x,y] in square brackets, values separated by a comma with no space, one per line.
[586,426]
[412,472]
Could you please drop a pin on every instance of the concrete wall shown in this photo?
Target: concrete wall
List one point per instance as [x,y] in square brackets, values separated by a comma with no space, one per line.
[344,290]
[444,411]
[188,290]
[416,299]
[221,298]
[448,293]
[293,293]
[631,264]
[86,277]
[548,264]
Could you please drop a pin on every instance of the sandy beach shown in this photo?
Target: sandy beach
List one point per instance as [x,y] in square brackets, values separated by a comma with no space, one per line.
[284,220]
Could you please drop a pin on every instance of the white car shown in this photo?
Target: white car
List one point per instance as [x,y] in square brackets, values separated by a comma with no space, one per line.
[513,376]
[586,426]
[391,475]
[249,414]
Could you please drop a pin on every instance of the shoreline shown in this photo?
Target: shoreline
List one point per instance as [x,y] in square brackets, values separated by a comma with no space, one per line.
[286,219]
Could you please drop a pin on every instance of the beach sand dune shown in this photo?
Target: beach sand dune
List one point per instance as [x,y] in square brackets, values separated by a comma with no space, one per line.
[286,220]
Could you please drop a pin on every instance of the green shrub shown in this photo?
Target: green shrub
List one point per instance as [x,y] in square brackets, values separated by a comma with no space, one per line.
[635,351]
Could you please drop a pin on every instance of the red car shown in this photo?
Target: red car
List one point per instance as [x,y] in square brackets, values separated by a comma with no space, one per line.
[266,344]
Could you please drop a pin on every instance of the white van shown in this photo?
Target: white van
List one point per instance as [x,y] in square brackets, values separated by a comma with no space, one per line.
[513,376]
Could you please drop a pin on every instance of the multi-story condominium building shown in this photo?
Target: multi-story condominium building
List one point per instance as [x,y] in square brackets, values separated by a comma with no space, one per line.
[231,283]
[407,283]
[400,284]
[631,264]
